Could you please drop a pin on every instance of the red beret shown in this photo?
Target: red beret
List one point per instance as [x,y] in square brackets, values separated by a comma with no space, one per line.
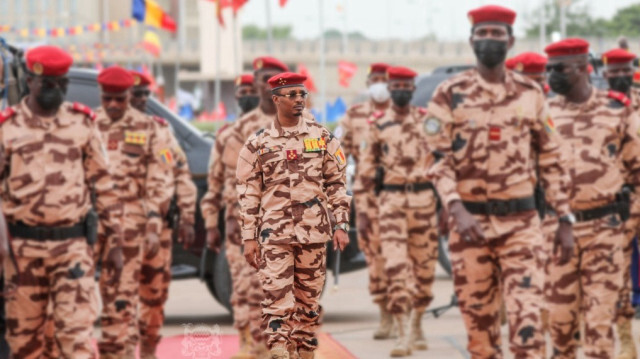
[115,79]
[617,56]
[140,79]
[48,61]
[492,13]
[269,62]
[527,62]
[244,79]
[567,47]
[286,79]
[400,73]
[379,67]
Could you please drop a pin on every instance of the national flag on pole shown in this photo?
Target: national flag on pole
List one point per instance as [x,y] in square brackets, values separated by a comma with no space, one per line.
[149,12]
[151,43]
[283,3]
[308,83]
[346,70]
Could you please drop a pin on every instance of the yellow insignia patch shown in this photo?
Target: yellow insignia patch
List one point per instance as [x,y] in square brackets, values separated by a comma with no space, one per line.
[314,144]
[38,69]
[135,138]
[136,80]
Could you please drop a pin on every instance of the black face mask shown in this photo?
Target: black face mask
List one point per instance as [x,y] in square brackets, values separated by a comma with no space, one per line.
[490,53]
[248,103]
[559,83]
[401,98]
[50,98]
[620,83]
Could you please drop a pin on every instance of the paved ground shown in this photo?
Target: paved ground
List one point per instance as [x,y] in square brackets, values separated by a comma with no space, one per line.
[350,317]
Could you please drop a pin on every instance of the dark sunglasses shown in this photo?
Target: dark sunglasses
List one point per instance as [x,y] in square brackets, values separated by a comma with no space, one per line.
[294,94]
[119,99]
[141,93]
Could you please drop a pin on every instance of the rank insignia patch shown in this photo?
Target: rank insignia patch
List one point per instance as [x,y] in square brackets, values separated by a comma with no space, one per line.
[494,133]
[113,145]
[292,155]
[314,144]
[265,150]
[135,138]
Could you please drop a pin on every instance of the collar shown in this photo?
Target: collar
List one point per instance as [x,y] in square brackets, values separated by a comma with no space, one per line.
[507,88]
[32,120]
[127,118]
[276,129]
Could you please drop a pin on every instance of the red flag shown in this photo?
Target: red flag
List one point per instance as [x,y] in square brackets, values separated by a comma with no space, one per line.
[346,70]
[283,3]
[221,4]
[308,83]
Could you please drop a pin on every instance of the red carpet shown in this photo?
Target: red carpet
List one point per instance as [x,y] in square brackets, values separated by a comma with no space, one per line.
[224,346]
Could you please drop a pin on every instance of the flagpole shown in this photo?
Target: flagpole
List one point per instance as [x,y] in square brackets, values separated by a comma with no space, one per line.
[216,88]
[269,30]
[323,81]
[236,68]
[179,38]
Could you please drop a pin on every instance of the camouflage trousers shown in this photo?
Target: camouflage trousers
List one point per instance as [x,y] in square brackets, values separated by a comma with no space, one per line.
[549,229]
[369,242]
[587,287]
[506,262]
[120,302]
[625,309]
[292,277]
[247,294]
[409,241]
[55,273]
[155,277]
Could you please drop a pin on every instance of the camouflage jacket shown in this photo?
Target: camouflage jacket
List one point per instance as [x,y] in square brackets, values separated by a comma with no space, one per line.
[600,138]
[49,166]
[397,142]
[135,159]
[287,180]
[486,138]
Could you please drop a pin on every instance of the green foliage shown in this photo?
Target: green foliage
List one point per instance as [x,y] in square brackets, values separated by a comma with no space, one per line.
[254,32]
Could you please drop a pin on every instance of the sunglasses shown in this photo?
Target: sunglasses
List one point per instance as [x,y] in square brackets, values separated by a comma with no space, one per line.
[119,99]
[294,94]
[141,93]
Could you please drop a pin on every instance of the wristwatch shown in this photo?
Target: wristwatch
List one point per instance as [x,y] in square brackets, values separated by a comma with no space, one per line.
[568,218]
[343,226]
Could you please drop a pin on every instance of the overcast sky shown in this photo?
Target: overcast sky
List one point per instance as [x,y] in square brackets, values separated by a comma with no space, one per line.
[407,19]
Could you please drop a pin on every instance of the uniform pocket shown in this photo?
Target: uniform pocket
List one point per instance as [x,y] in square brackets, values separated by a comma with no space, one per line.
[273,168]
[132,150]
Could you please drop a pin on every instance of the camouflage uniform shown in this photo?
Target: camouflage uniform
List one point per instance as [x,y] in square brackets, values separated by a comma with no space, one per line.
[600,137]
[48,168]
[135,159]
[221,192]
[285,193]
[486,136]
[352,134]
[156,270]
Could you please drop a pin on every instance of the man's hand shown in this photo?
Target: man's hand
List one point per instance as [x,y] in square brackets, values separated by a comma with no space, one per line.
[443,222]
[152,244]
[112,264]
[252,253]
[187,235]
[564,242]
[340,240]
[467,226]
[364,226]
[213,239]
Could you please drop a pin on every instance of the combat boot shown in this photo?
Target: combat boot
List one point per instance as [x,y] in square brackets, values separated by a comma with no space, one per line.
[306,354]
[401,347]
[385,328]
[418,341]
[246,342]
[627,347]
[278,353]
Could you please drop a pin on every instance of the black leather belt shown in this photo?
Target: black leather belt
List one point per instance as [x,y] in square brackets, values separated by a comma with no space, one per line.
[501,207]
[408,187]
[21,230]
[595,213]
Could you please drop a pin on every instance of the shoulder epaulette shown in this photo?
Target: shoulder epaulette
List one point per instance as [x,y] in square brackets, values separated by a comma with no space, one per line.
[160,120]
[620,97]
[82,108]
[260,131]
[7,114]
[378,114]
[422,110]
[223,128]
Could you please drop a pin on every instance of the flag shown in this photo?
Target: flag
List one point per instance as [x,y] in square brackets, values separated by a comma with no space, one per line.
[283,3]
[346,70]
[151,43]
[149,12]
[308,83]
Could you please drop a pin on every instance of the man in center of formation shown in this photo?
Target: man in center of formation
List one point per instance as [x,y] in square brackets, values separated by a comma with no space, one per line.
[488,125]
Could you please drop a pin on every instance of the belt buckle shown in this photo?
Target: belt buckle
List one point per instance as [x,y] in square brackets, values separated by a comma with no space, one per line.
[409,187]
[497,208]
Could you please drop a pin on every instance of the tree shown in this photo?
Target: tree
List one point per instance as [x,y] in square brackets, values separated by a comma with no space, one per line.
[625,22]
[578,20]
[254,32]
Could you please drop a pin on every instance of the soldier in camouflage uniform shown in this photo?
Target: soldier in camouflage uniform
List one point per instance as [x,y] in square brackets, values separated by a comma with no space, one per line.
[137,158]
[599,135]
[352,133]
[221,192]
[52,157]
[156,269]
[395,159]
[488,125]
[289,176]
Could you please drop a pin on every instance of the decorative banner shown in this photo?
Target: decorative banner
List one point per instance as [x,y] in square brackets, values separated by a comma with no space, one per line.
[221,4]
[346,70]
[68,31]
[308,83]
[151,43]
